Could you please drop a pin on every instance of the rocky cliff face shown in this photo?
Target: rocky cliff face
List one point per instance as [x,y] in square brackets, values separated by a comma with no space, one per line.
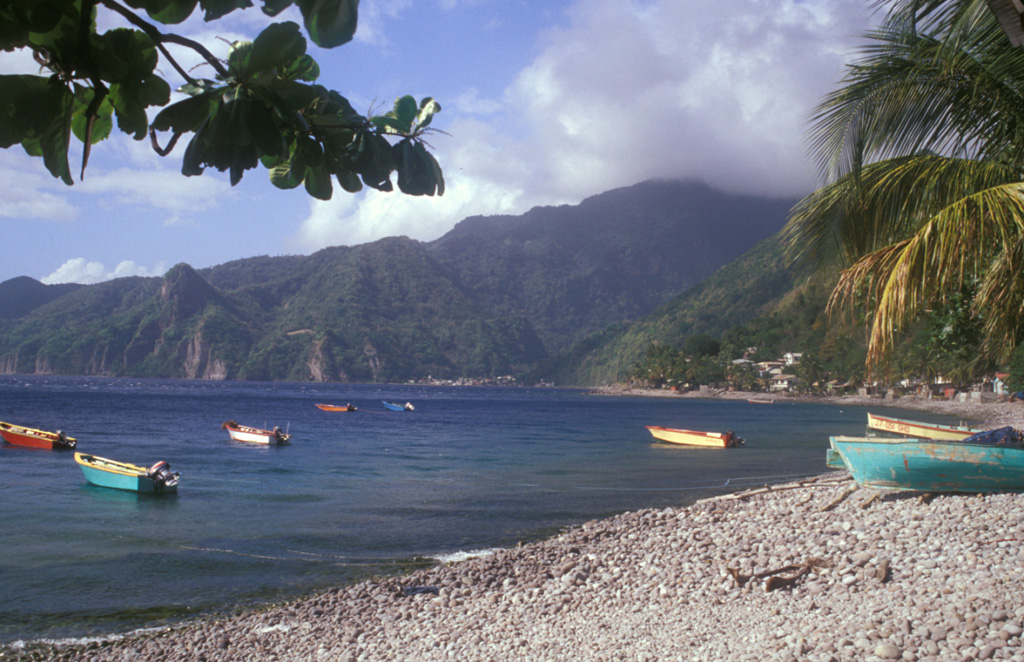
[321,365]
[199,363]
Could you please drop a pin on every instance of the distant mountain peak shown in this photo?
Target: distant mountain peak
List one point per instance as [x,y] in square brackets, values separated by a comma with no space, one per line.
[185,292]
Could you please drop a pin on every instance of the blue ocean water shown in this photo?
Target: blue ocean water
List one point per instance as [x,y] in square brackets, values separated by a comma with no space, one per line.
[355,494]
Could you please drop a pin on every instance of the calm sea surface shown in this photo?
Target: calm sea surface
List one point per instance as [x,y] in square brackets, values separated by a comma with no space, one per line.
[355,494]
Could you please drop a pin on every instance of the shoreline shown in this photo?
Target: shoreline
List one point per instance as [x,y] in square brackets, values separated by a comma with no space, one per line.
[817,570]
[891,577]
[984,414]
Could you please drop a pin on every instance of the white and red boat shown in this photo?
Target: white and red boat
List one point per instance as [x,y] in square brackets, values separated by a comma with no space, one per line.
[32,438]
[256,435]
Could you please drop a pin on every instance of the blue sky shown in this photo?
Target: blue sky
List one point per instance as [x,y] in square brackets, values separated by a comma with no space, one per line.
[544,102]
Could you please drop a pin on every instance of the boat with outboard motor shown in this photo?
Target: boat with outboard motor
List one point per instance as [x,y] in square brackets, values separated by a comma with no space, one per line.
[32,438]
[345,407]
[725,439]
[252,435]
[157,479]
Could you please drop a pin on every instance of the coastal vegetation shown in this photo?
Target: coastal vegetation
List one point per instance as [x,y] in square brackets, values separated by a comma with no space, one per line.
[922,214]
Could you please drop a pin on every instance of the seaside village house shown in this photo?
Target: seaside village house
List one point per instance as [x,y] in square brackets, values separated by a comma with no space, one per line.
[775,371]
[781,382]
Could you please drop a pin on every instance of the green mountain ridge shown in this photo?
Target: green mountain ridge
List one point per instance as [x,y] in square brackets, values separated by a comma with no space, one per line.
[753,285]
[496,295]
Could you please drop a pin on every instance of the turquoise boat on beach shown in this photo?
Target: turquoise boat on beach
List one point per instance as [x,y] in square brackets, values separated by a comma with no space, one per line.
[158,479]
[990,464]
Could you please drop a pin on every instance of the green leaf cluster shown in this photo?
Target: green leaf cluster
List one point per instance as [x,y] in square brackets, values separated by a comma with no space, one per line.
[922,152]
[262,106]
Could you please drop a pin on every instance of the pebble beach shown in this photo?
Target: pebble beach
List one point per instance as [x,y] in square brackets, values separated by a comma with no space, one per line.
[819,570]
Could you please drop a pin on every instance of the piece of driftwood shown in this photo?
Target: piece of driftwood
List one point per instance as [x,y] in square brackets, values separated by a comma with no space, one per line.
[775,581]
[850,489]
[870,500]
[781,488]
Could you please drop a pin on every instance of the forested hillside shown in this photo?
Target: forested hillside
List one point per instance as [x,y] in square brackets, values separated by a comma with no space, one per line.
[495,296]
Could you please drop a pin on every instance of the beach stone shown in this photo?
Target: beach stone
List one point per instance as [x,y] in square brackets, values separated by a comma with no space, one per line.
[887,651]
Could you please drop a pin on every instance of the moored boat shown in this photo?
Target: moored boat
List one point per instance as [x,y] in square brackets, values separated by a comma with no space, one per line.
[253,435]
[761,401]
[695,438]
[397,407]
[919,430]
[32,438]
[345,407]
[991,461]
[157,479]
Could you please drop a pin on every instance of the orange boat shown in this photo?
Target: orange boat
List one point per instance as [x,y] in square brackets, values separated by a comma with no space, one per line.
[335,407]
[21,436]
[695,438]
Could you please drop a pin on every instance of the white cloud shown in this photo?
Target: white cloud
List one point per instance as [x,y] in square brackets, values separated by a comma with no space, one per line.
[372,17]
[629,91]
[28,191]
[80,270]
[478,180]
[716,91]
[156,187]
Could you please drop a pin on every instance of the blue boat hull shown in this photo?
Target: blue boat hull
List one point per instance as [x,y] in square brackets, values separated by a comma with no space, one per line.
[124,479]
[925,465]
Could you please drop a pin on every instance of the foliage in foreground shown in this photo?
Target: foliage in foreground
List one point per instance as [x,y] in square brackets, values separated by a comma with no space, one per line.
[262,105]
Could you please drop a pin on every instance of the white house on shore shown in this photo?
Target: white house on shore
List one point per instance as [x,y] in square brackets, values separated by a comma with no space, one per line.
[781,382]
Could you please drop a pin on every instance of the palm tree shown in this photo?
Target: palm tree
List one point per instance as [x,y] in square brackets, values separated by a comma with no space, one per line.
[922,151]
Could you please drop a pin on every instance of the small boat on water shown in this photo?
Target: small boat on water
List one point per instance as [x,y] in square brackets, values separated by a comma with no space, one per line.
[694,438]
[346,407]
[157,479]
[991,461]
[761,401]
[396,407]
[252,435]
[32,438]
[919,430]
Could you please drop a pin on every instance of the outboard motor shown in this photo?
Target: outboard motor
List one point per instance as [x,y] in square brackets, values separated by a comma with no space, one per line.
[160,473]
[64,441]
[281,437]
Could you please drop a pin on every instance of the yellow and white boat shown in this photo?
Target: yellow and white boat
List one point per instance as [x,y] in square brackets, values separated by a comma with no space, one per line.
[694,438]
[919,430]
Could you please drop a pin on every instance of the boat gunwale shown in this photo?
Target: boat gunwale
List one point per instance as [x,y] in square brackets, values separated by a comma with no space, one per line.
[110,466]
[938,427]
[45,435]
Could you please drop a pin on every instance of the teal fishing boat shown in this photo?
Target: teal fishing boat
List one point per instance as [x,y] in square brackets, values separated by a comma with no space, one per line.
[158,479]
[992,461]
[397,407]
[833,460]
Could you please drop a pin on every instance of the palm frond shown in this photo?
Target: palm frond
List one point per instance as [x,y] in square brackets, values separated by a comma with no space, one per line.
[977,237]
